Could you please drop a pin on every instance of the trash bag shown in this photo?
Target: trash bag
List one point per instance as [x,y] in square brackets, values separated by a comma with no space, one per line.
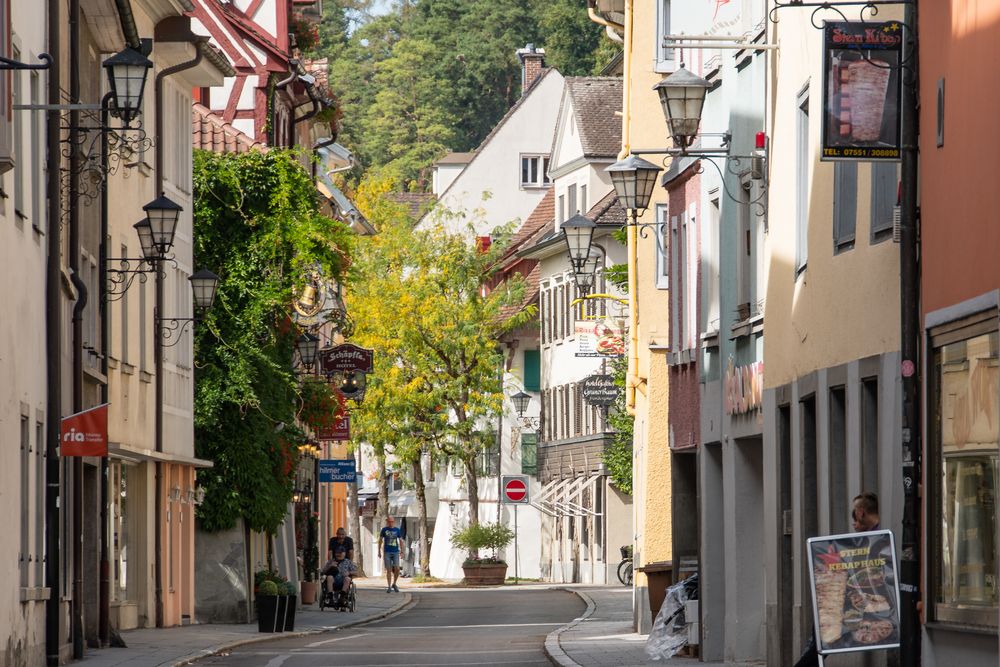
[669,633]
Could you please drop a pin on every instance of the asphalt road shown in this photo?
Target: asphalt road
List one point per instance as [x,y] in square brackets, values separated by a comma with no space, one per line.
[443,627]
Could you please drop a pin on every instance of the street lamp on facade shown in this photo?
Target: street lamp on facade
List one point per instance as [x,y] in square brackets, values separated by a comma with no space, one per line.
[521,400]
[578,232]
[162,214]
[682,96]
[127,71]
[204,285]
[307,346]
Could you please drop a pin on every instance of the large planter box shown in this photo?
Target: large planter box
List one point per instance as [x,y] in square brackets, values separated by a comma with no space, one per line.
[485,574]
[309,591]
[275,613]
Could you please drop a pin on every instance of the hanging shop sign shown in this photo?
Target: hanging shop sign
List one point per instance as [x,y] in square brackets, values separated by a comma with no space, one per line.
[744,387]
[599,338]
[861,91]
[600,390]
[85,433]
[346,358]
[340,429]
[855,592]
[338,470]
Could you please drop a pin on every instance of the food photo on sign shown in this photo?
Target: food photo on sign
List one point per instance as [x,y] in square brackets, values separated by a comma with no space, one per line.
[855,593]
[599,338]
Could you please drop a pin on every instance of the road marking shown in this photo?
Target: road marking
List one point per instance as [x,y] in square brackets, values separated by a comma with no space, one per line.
[453,627]
[285,656]
[278,660]
[330,641]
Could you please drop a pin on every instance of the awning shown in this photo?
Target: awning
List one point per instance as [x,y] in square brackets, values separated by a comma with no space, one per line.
[558,497]
[137,454]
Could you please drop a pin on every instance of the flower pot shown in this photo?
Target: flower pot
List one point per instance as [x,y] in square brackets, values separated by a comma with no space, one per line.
[309,592]
[484,574]
[290,604]
[268,618]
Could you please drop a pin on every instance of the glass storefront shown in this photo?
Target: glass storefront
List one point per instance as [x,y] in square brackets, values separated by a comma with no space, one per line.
[965,432]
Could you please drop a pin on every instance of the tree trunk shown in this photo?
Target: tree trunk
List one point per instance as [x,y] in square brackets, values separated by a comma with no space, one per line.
[383,490]
[425,545]
[472,482]
[354,521]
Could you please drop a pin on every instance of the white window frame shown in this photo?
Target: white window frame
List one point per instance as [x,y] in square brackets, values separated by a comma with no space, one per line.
[663,57]
[803,160]
[691,277]
[710,266]
[541,167]
[662,277]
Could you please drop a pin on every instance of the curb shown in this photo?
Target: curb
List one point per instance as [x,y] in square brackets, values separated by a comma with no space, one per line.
[403,604]
[553,648]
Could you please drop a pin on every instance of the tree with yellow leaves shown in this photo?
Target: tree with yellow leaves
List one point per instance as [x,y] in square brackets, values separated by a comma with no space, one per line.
[424,300]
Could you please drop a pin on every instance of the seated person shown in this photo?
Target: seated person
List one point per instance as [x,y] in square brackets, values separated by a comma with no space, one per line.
[341,540]
[338,575]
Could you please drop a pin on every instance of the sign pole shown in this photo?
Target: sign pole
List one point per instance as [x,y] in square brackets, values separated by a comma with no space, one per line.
[515,546]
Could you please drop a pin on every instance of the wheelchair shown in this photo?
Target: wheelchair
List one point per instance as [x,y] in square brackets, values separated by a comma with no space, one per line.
[333,600]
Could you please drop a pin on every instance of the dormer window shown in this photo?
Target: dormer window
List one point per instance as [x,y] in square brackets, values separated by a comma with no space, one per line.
[535,171]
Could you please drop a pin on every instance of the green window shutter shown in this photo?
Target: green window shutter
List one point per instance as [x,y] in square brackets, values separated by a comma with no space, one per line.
[532,370]
[529,453]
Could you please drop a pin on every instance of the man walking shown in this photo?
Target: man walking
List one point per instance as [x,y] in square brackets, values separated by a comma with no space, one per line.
[390,545]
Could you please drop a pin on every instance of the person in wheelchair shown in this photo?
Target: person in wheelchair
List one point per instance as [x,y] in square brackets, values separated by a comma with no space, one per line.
[337,578]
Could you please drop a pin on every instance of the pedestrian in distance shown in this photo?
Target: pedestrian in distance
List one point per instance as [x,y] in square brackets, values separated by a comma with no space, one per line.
[864,518]
[389,547]
[341,540]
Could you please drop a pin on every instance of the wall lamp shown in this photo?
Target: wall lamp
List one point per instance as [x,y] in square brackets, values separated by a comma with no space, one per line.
[204,285]
[521,400]
[156,236]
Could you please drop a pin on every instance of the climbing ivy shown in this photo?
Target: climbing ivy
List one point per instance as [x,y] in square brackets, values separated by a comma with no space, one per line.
[257,225]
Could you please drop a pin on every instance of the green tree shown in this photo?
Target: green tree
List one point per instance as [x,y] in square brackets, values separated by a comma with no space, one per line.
[571,39]
[421,298]
[257,226]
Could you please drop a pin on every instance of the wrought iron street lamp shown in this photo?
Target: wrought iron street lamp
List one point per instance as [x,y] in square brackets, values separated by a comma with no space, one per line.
[682,96]
[204,285]
[162,214]
[307,346]
[634,180]
[520,401]
[127,71]
[579,232]
[145,233]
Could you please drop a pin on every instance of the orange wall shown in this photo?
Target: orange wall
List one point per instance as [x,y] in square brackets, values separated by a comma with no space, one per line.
[960,42]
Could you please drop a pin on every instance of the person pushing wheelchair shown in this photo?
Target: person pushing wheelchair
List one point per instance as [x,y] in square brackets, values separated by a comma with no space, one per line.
[337,576]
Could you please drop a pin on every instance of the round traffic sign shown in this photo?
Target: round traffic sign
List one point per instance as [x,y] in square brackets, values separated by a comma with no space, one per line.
[515,490]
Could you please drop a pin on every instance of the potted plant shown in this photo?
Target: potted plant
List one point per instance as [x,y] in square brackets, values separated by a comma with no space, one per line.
[490,570]
[275,601]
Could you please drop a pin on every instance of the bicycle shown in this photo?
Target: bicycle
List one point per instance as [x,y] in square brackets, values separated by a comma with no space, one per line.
[625,566]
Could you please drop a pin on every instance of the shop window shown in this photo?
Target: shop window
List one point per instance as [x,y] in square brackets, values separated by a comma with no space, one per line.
[529,453]
[963,469]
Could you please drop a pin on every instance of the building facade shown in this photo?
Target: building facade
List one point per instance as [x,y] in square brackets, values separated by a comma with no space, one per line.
[959,305]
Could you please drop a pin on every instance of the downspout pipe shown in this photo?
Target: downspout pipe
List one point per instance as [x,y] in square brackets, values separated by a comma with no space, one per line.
[104,598]
[127,20]
[600,20]
[53,343]
[157,332]
[76,382]
[311,113]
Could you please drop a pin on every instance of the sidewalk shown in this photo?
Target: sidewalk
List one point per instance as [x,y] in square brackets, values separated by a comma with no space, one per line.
[603,635]
[168,647]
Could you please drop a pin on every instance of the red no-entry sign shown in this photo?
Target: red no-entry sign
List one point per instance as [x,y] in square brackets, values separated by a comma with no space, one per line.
[515,490]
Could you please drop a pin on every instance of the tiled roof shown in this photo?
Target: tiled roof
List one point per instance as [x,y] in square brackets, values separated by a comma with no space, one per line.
[597,100]
[530,294]
[416,202]
[607,211]
[544,213]
[211,133]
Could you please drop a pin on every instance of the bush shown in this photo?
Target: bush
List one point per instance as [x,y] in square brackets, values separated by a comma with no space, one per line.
[493,536]
[268,588]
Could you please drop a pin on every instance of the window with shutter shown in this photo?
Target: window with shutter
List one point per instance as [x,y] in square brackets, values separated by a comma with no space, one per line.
[845,205]
[6,120]
[532,370]
[885,191]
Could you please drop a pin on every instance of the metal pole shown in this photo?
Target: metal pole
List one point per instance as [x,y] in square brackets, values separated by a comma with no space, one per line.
[515,546]
[104,598]
[53,346]
[909,275]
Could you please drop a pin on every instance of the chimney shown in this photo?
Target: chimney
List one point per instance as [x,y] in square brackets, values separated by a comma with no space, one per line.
[532,62]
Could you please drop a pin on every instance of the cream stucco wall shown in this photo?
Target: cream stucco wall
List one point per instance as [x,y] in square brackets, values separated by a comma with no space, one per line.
[22,371]
[841,307]
[651,448]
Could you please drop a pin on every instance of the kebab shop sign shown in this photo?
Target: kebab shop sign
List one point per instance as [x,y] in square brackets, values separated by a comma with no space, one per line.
[855,592]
